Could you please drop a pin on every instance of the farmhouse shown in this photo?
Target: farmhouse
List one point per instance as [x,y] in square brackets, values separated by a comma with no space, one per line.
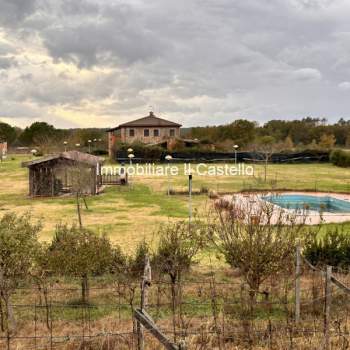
[149,130]
[67,172]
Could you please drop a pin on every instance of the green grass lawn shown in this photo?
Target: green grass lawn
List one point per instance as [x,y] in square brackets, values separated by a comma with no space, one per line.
[130,214]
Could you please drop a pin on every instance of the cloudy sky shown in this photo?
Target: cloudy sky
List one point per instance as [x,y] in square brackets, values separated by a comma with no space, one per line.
[101,62]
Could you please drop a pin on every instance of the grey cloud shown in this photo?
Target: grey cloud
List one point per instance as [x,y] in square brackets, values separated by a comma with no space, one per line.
[117,38]
[79,7]
[7,62]
[252,58]
[14,11]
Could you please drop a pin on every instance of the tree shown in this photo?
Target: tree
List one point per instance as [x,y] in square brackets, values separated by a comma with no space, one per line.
[80,252]
[288,143]
[266,145]
[37,133]
[256,238]
[313,145]
[18,245]
[327,141]
[176,249]
[178,245]
[7,133]
[128,271]
[279,129]
[347,142]
[240,131]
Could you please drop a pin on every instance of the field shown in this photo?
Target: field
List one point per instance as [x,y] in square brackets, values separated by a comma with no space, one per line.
[129,214]
[211,307]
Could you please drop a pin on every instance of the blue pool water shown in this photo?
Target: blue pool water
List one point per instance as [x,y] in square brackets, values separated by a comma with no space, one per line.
[296,201]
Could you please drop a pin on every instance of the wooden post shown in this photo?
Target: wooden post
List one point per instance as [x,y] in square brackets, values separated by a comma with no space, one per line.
[31,182]
[145,284]
[144,319]
[297,284]
[52,183]
[190,198]
[327,308]
[78,211]
[93,178]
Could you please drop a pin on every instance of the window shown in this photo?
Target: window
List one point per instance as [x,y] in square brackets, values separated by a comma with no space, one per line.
[145,132]
[132,132]
[172,132]
[156,132]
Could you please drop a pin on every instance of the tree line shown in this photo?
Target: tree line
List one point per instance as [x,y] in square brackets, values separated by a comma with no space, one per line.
[47,138]
[307,132]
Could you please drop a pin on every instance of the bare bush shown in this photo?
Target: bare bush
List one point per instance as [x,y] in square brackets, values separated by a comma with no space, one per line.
[255,237]
[178,244]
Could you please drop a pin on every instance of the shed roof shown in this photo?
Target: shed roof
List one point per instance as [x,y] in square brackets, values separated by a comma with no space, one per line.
[76,156]
[149,121]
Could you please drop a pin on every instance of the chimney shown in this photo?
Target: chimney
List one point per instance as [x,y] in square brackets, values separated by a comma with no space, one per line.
[151,114]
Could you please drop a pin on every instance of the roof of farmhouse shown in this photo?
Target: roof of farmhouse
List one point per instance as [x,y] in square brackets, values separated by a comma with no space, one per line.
[149,121]
[75,156]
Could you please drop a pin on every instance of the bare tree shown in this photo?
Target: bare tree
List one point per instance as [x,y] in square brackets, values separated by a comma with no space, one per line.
[47,143]
[178,245]
[80,184]
[128,270]
[256,237]
[267,147]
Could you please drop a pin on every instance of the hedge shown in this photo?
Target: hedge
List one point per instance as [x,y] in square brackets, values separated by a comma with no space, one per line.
[340,158]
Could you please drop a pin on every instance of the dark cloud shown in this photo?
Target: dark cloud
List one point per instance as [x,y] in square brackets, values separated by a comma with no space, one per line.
[198,58]
[88,45]
[12,12]
[111,36]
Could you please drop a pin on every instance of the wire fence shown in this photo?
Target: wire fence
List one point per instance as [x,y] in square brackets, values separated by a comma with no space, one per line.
[206,313]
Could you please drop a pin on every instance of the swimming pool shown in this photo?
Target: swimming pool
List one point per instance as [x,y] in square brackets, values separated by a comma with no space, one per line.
[300,201]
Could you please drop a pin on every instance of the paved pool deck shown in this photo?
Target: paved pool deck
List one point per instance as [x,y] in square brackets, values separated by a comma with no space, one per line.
[312,218]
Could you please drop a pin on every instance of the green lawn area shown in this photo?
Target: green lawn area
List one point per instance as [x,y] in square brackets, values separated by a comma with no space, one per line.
[129,214]
[319,177]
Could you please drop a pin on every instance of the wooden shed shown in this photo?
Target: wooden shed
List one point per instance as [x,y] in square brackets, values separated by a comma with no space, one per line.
[67,172]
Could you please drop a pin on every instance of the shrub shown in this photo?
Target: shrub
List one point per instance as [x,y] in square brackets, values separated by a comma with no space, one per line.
[99,152]
[80,252]
[178,244]
[204,190]
[141,150]
[18,247]
[137,262]
[340,158]
[255,238]
[131,267]
[331,249]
